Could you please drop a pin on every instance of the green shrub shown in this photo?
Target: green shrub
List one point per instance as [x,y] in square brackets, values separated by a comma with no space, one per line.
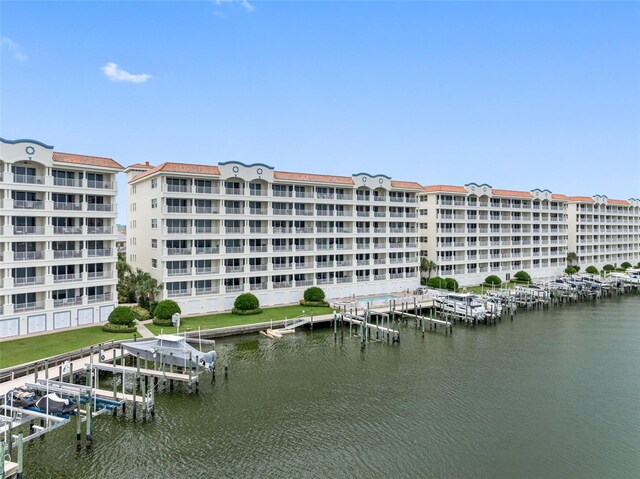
[493,280]
[576,267]
[122,316]
[423,281]
[311,304]
[140,313]
[522,276]
[162,322]
[437,282]
[166,308]
[246,302]
[570,270]
[247,312]
[608,267]
[451,284]
[625,265]
[314,294]
[592,270]
[118,328]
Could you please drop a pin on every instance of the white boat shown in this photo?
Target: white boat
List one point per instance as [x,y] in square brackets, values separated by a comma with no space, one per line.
[171,349]
[463,305]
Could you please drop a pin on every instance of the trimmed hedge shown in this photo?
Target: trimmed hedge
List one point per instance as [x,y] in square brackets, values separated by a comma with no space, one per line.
[592,270]
[118,328]
[247,312]
[311,304]
[522,276]
[162,322]
[570,270]
[140,313]
[625,265]
[122,316]
[166,308]
[493,280]
[313,294]
[608,267]
[246,302]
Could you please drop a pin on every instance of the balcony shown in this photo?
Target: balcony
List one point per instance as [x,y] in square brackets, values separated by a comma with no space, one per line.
[28,281]
[29,179]
[28,255]
[234,269]
[282,211]
[258,211]
[66,278]
[344,279]
[28,205]
[67,206]
[67,230]
[258,267]
[66,254]
[204,250]
[178,251]
[172,230]
[176,293]
[99,207]
[281,266]
[178,271]
[257,249]
[91,275]
[178,188]
[178,209]
[68,182]
[103,185]
[258,286]
[67,301]
[234,230]
[281,284]
[21,307]
[234,249]
[234,211]
[233,191]
[92,253]
[28,230]
[99,230]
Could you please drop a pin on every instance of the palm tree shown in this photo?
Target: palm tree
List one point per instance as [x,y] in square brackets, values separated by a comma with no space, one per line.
[572,258]
[145,286]
[426,266]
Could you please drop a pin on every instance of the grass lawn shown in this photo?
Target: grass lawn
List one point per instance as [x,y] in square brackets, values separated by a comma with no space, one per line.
[221,320]
[18,351]
[482,289]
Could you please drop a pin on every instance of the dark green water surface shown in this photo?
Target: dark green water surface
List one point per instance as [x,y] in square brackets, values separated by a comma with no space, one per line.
[555,394]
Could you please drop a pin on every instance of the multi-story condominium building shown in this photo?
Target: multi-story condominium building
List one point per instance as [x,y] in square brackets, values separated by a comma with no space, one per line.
[209,233]
[57,236]
[604,231]
[473,231]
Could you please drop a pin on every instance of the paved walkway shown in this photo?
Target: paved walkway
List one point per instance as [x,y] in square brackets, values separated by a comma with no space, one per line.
[144,331]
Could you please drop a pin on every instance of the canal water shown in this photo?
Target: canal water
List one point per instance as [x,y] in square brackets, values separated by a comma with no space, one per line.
[553,394]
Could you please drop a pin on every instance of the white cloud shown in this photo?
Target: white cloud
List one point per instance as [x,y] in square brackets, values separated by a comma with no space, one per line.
[243,3]
[14,48]
[115,73]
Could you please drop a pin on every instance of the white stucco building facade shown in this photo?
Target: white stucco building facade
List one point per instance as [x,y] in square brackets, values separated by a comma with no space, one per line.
[57,241]
[604,231]
[474,231]
[211,232]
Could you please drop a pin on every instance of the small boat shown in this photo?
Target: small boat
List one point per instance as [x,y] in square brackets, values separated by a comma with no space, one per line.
[464,305]
[55,405]
[171,349]
[22,398]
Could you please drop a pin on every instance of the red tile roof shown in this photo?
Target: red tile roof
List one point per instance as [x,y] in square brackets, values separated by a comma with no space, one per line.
[170,167]
[406,184]
[138,166]
[557,196]
[522,194]
[285,175]
[582,199]
[86,160]
[447,188]
[619,202]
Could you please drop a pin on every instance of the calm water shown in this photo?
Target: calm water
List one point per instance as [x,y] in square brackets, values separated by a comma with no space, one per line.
[552,395]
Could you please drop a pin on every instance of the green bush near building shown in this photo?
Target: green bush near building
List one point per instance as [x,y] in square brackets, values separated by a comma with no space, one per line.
[313,296]
[522,276]
[493,280]
[121,320]
[246,304]
[592,270]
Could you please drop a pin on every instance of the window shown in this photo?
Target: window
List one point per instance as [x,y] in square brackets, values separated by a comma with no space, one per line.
[154,183]
[154,243]
[154,263]
[154,223]
[154,202]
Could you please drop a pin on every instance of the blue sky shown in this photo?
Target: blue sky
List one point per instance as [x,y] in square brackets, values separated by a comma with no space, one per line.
[518,95]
